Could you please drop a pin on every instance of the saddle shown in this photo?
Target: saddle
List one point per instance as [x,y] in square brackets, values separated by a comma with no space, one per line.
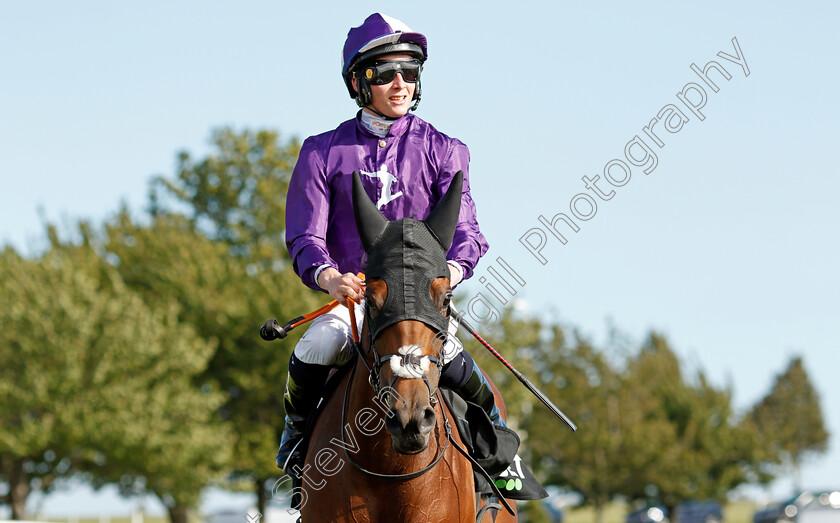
[492,447]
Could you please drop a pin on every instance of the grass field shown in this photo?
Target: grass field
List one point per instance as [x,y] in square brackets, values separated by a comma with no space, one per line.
[741,512]
[738,512]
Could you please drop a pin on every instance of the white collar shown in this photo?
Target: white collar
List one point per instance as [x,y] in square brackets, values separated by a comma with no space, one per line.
[376,124]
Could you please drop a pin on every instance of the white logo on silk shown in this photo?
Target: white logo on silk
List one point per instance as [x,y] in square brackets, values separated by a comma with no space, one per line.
[387,180]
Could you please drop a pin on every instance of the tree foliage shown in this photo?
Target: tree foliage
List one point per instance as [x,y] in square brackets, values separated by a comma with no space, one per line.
[215,244]
[789,420]
[709,450]
[94,380]
[236,194]
[614,440]
[645,429]
[211,253]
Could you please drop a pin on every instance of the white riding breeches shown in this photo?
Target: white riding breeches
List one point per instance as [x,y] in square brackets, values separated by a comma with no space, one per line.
[329,339]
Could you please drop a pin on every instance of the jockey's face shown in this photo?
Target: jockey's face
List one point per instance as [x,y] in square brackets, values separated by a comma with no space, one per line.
[393,99]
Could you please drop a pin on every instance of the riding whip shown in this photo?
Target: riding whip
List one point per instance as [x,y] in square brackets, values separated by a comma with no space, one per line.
[272,330]
[535,391]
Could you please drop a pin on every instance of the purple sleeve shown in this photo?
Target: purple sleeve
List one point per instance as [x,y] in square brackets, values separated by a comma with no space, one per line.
[469,244]
[307,215]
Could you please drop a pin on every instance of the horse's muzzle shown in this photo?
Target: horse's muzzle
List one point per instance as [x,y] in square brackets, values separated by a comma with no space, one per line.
[410,428]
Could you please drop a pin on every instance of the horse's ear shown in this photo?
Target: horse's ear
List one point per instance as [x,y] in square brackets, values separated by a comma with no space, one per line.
[444,217]
[369,221]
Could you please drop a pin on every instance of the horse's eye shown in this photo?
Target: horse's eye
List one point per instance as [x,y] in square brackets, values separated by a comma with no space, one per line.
[373,310]
[447,299]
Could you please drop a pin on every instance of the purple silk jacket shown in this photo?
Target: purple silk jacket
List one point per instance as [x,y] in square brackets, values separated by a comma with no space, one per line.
[405,174]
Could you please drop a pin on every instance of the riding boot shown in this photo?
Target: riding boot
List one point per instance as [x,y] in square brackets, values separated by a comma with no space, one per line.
[463,376]
[477,390]
[303,390]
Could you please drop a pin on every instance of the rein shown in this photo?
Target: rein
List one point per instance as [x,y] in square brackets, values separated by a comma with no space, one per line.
[374,381]
[410,475]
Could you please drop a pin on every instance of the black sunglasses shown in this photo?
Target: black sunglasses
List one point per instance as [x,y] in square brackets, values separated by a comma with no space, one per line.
[381,73]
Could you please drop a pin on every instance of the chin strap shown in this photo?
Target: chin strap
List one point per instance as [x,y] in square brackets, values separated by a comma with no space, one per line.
[377,113]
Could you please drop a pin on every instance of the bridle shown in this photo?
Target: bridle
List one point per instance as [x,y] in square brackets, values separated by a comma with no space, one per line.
[373,379]
[374,373]
[408,360]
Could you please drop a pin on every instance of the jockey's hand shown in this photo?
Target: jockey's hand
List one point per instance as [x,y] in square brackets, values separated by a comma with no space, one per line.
[340,285]
[454,276]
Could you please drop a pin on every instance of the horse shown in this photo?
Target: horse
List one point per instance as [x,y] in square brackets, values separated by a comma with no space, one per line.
[384,447]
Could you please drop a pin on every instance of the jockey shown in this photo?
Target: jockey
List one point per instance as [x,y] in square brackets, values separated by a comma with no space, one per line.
[408,165]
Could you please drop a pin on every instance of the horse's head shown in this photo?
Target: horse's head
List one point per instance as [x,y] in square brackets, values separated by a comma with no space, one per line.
[407,302]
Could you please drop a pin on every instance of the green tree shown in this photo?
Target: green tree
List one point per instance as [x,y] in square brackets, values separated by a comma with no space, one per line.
[583,382]
[533,512]
[237,194]
[598,460]
[89,375]
[216,245]
[789,419]
[706,450]
[644,430]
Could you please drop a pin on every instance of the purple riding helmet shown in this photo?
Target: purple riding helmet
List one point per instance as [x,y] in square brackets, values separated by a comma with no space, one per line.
[377,36]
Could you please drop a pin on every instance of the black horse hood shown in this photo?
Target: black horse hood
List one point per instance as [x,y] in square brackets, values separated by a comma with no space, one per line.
[408,255]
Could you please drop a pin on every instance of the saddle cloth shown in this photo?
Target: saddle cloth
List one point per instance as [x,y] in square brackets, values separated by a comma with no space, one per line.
[495,449]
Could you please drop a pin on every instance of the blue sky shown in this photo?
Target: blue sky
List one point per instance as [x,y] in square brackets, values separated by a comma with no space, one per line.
[728,246]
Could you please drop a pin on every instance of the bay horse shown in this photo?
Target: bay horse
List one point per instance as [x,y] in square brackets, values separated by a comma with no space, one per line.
[410,471]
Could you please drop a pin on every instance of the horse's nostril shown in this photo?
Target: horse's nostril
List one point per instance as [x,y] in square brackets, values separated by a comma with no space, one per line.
[427,421]
[393,422]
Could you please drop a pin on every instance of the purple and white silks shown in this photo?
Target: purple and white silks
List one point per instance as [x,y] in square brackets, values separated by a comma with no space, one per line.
[404,173]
